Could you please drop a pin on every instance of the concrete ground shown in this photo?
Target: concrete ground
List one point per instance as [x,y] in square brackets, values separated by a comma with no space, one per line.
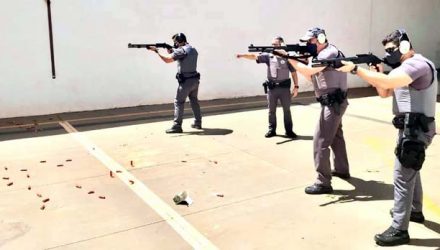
[248,191]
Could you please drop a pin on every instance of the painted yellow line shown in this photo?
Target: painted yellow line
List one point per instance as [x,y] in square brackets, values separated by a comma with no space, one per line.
[177,222]
[430,205]
[380,147]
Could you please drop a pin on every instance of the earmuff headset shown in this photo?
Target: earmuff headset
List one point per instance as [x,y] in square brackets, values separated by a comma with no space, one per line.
[279,38]
[180,38]
[404,43]
[320,36]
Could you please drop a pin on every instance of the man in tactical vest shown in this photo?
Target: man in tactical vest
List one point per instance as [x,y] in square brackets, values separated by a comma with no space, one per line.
[277,86]
[188,78]
[413,85]
[330,88]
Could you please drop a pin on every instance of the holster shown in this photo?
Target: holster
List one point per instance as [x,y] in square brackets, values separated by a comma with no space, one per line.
[410,151]
[265,86]
[334,99]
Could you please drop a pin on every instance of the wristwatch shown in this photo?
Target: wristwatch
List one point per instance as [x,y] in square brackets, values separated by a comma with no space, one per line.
[354,70]
[296,87]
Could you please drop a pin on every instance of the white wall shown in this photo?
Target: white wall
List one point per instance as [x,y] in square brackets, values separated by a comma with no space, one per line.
[96,70]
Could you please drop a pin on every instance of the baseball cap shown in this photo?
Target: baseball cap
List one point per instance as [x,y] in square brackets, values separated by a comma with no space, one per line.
[313,32]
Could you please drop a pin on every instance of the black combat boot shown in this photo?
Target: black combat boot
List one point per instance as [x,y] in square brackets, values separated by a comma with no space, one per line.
[319,189]
[392,237]
[174,129]
[270,133]
[196,126]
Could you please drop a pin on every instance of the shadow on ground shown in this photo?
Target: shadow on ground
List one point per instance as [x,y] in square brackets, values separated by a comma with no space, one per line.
[434,226]
[45,125]
[208,131]
[300,137]
[363,191]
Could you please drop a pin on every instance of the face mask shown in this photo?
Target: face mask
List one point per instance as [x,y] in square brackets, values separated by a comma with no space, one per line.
[312,49]
[176,45]
[393,59]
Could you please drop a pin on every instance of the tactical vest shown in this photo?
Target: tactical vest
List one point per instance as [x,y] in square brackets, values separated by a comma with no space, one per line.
[417,108]
[188,64]
[410,100]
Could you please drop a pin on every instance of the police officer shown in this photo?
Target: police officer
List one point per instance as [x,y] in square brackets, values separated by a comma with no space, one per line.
[413,85]
[331,91]
[188,79]
[278,84]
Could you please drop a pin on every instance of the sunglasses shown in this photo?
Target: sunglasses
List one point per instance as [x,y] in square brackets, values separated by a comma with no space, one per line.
[390,50]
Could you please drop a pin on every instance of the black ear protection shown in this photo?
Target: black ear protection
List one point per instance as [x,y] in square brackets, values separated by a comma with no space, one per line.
[279,38]
[180,38]
[404,43]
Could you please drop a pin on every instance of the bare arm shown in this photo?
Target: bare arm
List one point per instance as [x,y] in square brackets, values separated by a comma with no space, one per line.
[381,91]
[393,80]
[295,83]
[384,92]
[247,56]
[306,70]
[390,81]
[295,78]
[165,57]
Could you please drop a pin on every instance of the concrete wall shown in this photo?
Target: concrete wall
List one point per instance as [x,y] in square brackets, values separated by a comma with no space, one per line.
[95,70]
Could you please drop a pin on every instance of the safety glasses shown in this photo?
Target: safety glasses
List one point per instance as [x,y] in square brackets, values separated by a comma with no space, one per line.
[390,49]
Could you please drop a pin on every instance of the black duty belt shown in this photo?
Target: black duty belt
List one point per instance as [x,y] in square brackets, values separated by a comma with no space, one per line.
[338,97]
[182,77]
[283,84]
[412,121]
